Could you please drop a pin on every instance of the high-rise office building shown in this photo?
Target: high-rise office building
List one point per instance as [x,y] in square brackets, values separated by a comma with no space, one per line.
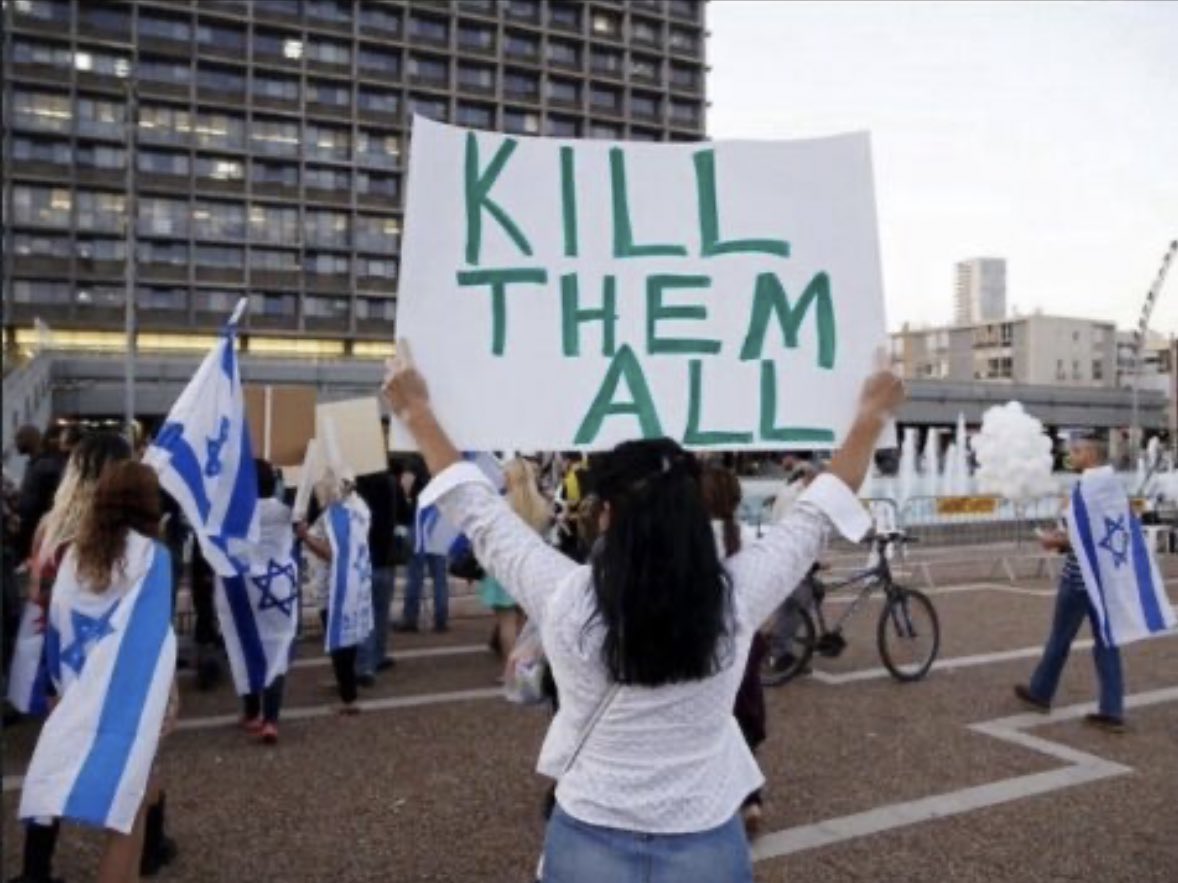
[981,291]
[269,140]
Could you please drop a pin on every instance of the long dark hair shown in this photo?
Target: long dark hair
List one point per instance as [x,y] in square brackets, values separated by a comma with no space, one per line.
[662,594]
[722,494]
[127,498]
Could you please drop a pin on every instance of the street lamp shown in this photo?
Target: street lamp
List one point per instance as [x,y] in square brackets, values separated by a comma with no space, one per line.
[132,117]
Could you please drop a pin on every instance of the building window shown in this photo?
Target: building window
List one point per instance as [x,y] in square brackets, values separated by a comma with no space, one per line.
[43,10]
[521,45]
[563,91]
[49,207]
[100,211]
[98,156]
[337,180]
[476,76]
[606,61]
[225,39]
[30,150]
[328,10]
[378,149]
[642,68]
[37,245]
[637,134]
[326,308]
[25,291]
[218,130]
[521,121]
[684,77]
[326,264]
[564,15]
[605,130]
[327,52]
[487,7]
[275,174]
[562,127]
[219,220]
[564,54]
[276,88]
[273,305]
[219,168]
[217,302]
[160,28]
[376,268]
[434,108]
[327,228]
[109,250]
[606,24]
[329,94]
[375,184]
[1097,370]
[644,31]
[275,137]
[44,111]
[604,98]
[380,17]
[518,84]
[688,9]
[431,29]
[100,296]
[102,64]
[274,259]
[271,224]
[377,234]
[324,142]
[376,309]
[434,71]
[167,124]
[644,106]
[42,54]
[158,162]
[378,101]
[170,299]
[684,41]
[529,10]
[475,37]
[379,61]
[475,116]
[163,217]
[684,112]
[220,256]
[226,80]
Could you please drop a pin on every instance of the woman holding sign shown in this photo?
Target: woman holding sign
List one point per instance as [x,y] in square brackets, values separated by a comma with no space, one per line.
[648,642]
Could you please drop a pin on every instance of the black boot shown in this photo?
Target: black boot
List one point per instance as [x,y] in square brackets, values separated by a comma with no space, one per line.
[158,848]
[40,842]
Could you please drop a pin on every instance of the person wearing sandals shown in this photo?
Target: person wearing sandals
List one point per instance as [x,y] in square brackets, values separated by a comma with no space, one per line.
[648,642]
[341,576]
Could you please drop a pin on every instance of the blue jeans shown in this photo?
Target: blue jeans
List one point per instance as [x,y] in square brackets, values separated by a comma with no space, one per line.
[375,647]
[437,568]
[1071,606]
[577,852]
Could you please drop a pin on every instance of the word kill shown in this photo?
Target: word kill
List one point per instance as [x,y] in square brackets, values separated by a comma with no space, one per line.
[770,302]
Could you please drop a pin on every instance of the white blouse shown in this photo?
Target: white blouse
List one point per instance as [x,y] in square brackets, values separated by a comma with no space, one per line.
[661,760]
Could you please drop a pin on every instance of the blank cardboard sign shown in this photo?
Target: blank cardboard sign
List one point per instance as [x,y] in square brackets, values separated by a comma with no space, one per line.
[281,421]
[358,433]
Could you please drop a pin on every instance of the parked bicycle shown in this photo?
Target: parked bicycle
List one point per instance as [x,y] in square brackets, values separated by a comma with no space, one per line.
[908,633]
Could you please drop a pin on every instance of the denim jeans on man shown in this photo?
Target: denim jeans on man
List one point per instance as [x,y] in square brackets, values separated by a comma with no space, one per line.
[577,852]
[1071,606]
[375,647]
[416,579]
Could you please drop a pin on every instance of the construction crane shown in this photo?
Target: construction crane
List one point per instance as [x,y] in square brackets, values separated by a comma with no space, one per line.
[1151,299]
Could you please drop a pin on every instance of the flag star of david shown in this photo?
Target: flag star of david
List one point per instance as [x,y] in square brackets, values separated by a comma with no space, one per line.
[363,564]
[1116,540]
[213,466]
[88,631]
[265,582]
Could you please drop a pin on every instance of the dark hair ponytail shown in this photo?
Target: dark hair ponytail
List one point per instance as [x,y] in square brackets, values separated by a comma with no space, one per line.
[661,591]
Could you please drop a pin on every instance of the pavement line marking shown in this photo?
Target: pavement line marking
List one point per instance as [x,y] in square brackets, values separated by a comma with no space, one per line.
[955,662]
[419,653]
[1083,768]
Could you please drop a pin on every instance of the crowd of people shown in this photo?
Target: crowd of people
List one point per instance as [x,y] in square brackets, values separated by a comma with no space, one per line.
[637,555]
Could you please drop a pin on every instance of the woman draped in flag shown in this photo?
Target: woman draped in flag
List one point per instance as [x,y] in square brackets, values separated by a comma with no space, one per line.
[340,574]
[111,654]
[259,612]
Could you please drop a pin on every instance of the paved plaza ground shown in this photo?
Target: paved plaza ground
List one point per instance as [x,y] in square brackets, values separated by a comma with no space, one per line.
[946,780]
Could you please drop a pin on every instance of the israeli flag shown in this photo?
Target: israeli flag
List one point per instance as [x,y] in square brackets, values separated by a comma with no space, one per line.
[434,534]
[112,656]
[259,606]
[28,677]
[349,599]
[204,460]
[1120,572]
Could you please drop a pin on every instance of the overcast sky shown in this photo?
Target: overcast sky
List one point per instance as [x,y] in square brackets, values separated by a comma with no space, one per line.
[1045,133]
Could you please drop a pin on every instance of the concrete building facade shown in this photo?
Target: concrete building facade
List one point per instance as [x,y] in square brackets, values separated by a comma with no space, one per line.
[980,292]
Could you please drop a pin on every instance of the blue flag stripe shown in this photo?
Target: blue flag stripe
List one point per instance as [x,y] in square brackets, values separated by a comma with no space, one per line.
[53,651]
[118,725]
[246,626]
[1146,591]
[1085,531]
[340,524]
[243,499]
[185,463]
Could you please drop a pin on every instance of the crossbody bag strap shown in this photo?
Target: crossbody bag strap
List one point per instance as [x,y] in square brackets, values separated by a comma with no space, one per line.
[597,715]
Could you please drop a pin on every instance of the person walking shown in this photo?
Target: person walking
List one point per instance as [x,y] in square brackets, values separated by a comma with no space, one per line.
[378,491]
[413,480]
[648,642]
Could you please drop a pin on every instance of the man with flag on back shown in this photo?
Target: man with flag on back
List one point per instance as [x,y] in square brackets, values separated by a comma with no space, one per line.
[1110,576]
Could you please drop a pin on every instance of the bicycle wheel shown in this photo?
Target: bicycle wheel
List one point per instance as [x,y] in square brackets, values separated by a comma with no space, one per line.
[792,658]
[908,634]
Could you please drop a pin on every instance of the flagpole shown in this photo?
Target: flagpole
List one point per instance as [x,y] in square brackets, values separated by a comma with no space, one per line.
[132,118]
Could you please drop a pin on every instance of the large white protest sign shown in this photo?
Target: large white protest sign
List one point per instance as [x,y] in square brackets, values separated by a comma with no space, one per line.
[574,294]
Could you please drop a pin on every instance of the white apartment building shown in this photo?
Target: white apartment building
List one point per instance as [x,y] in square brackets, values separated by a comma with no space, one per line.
[980,294]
